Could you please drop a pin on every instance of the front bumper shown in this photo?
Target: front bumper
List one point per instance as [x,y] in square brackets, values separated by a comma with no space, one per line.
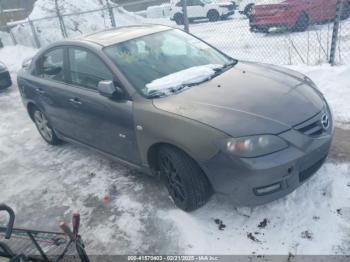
[256,181]
[5,80]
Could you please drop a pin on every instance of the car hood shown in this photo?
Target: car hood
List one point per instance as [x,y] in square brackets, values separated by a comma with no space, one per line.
[248,99]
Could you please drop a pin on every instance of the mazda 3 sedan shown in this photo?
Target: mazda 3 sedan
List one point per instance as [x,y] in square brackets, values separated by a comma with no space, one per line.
[166,102]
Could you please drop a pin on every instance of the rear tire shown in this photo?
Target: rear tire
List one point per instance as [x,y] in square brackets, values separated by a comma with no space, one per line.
[213,15]
[345,12]
[44,127]
[248,10]
[179,19]
[302,23]
[187,184]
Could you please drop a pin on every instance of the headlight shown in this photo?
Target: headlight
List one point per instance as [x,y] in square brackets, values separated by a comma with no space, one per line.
[254,146]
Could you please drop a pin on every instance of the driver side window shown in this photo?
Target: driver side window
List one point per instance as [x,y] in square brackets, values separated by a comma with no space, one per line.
[86,69]
[51,65]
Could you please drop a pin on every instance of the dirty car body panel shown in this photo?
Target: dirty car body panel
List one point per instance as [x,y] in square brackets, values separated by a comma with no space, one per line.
[247,99]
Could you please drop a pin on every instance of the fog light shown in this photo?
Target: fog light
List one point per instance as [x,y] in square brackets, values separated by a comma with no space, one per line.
[268,189]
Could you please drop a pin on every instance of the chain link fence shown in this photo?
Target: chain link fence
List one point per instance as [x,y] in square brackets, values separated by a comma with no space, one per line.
[290,32]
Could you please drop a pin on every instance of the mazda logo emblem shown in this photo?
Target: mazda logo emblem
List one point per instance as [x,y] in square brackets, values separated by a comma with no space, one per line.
[325,122]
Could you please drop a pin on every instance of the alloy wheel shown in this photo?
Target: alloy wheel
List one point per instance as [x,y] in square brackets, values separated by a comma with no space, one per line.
[43,125]
[173,181]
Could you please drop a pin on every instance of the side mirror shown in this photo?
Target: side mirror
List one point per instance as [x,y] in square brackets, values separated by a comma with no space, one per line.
[108,89]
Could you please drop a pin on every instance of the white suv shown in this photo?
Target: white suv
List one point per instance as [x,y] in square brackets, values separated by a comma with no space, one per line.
[198,9]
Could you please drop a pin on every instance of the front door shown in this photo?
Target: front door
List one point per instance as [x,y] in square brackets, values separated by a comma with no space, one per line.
[101,122]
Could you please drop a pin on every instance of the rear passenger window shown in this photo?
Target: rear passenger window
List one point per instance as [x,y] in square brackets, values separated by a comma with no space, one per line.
[51,65]
[87,69]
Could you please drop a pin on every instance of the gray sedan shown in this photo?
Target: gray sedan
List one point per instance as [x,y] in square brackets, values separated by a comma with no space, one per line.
[166,102]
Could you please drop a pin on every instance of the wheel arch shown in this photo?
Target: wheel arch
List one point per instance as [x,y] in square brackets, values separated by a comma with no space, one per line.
[213,10]
[153,150]
[177,14]
[30,109]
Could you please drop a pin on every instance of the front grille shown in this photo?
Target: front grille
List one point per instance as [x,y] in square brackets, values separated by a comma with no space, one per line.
[312,127]
[307,173]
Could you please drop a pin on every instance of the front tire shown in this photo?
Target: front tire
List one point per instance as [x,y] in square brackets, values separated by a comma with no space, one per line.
[179,19]
[187,184]
[302,23]
[44,128]
[248,10]
[213,15]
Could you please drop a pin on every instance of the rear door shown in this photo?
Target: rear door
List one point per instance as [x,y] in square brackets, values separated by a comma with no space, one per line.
[50,88]
[100,122]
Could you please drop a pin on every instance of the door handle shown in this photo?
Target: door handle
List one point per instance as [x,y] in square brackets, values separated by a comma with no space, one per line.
[40,91]
[75,101]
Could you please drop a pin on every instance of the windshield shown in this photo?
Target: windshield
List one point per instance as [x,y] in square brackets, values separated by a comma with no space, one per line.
[146,59]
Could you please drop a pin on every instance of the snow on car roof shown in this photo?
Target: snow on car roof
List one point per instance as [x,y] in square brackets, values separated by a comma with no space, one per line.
[122,34]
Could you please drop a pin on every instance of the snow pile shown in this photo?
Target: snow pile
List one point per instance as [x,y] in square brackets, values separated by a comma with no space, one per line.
[46,8]
[13,56]
[48,29]
[192,75]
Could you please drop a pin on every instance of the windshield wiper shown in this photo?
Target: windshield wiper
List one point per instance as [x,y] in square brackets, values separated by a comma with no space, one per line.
[226,66]
[156,94]
[167,91]
[174,90]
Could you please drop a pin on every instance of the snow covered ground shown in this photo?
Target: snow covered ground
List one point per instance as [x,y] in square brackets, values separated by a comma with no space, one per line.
[45,184]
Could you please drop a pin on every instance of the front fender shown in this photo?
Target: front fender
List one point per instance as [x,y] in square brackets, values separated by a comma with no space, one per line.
[194,138]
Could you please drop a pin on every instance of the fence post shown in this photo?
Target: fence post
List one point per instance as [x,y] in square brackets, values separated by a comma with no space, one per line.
[111,14]
[61,21]
[35,36]
[184,11]
[335,34]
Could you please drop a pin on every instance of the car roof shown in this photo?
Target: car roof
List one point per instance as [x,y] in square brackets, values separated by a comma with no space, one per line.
[122,34]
